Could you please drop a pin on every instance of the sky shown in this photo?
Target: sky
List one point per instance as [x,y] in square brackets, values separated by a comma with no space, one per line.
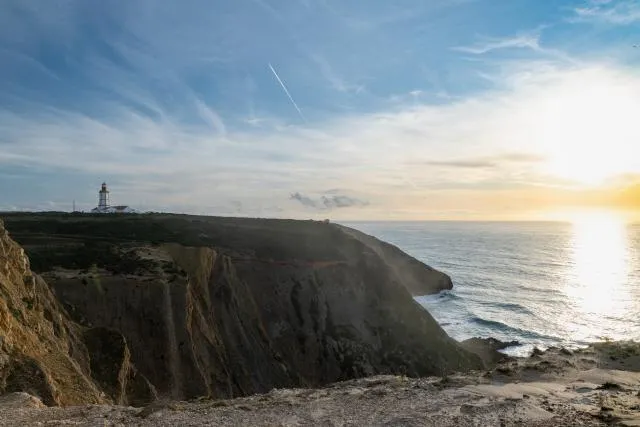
[342,109]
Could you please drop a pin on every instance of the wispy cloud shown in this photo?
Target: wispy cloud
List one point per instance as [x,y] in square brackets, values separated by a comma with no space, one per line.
[488,44]
[337,82]
[211,117]
[15,56]
[623,12]
[486,162]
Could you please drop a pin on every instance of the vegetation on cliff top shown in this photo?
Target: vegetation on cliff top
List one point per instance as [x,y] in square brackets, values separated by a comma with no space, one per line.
[75,241]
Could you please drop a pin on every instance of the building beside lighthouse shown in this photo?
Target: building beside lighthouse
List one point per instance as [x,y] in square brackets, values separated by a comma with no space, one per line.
[105,207]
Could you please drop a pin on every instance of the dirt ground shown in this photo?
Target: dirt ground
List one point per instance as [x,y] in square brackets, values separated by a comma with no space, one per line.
[591,387]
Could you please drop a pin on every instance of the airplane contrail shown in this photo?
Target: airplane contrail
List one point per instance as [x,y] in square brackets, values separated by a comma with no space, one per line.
[287,92]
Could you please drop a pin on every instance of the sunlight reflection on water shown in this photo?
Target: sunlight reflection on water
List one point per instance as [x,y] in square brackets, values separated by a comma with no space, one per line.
[598,281]
[540,283]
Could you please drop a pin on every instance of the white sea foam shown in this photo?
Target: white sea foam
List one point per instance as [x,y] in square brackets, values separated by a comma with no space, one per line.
[540,283]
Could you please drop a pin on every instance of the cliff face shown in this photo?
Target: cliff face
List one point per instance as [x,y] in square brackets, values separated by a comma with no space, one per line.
[417,277]
[228,307]
[40,349]
[43,352]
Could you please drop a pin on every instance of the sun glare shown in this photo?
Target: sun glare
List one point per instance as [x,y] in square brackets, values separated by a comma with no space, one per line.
[589,129]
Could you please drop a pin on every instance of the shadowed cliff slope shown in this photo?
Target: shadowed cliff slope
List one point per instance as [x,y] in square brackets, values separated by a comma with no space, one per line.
[228,306]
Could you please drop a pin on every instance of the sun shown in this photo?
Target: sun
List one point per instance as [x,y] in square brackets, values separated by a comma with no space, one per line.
[585,166]
[589,129]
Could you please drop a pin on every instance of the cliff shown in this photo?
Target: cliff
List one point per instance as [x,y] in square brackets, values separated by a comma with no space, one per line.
[417,277]
[45,353]
[222,307]
[36,338]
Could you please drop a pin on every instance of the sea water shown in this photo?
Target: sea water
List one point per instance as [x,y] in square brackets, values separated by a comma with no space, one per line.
[539,283]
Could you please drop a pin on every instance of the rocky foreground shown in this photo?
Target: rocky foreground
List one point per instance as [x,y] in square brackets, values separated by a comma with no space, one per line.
[555,388]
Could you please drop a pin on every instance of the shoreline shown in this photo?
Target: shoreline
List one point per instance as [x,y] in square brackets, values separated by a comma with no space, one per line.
[521,344]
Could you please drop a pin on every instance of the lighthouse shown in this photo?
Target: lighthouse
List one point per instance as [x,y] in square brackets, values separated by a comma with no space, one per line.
[103,197]
[103,203]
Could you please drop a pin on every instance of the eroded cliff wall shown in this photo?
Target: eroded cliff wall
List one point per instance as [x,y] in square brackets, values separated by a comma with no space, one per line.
[227,307]
[41,351]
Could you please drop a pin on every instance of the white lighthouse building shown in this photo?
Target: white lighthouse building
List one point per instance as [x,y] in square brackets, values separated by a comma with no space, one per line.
[103,197]
[105,207]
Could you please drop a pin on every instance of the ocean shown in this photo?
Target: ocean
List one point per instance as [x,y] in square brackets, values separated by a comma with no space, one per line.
[539,283]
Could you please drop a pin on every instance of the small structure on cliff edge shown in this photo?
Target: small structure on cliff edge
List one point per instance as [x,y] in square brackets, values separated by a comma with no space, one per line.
[103,203]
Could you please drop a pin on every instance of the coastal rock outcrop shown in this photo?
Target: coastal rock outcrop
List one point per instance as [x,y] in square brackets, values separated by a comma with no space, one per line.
[41,350]
[45,353]
[225,307]
[419,278]
[488,349]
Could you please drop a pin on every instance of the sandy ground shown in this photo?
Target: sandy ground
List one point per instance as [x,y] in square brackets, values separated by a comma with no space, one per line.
[592,387]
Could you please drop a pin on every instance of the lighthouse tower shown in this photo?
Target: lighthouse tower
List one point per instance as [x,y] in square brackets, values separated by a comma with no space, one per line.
[103,204]
[103,197]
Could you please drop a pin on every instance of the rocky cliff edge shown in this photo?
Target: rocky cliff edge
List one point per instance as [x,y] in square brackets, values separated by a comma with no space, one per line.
[214,307]
[40,348]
